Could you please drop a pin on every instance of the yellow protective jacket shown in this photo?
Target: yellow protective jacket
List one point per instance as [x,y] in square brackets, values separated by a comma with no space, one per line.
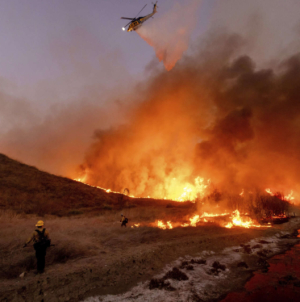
[35,236]
[122,218]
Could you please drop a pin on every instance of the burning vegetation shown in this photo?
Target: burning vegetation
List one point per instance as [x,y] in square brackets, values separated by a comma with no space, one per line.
[92,235]
[216,130]
[259,209]
[205,156]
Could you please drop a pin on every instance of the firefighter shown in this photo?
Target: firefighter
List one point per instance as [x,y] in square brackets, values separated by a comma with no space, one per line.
[124,220]
[41,241]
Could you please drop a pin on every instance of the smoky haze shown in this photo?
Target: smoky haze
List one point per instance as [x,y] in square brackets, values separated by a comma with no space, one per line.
[228,111]
[53,126]
[216,115]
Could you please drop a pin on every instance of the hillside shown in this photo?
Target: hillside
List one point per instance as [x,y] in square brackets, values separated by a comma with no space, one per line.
[92,254]
[25,189]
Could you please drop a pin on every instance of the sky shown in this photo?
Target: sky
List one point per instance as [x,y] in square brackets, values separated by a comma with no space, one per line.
[42,41]
[61,56]
[67,69]
[38,37]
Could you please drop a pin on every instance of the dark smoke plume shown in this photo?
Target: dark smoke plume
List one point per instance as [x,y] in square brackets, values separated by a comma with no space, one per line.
[216,116]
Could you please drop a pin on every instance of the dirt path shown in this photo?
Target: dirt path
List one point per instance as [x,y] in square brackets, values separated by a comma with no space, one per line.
[122,264]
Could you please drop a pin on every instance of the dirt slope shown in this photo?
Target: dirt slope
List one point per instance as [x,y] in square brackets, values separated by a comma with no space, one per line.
[93,255]
[124,258]
[26,189]
[29,190]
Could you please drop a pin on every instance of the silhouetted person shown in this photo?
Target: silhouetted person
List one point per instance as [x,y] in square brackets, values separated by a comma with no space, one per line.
[41,241]
[124,220]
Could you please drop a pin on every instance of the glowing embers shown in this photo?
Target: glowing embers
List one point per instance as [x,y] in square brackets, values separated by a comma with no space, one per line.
[241,222]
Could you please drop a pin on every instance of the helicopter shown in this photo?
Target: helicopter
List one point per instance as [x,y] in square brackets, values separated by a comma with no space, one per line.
[135,22]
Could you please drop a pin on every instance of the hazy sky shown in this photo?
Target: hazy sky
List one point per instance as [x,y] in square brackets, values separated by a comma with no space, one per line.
[61,63]
[39,38]
[61,60]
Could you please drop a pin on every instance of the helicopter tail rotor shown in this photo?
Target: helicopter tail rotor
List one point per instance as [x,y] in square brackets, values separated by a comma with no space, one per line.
[154,7]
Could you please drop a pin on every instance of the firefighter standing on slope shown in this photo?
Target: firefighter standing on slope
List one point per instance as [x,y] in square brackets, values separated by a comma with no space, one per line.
[41,241]
[124,220]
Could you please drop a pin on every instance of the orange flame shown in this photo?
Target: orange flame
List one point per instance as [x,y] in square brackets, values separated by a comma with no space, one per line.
[161,225]
[213,215]
[194,220]
[169,225]
[238,221]
[178,191]
[288,197]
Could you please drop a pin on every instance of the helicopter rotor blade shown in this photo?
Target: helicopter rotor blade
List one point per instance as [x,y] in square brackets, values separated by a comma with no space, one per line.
[140,11]
[127,24]
[127,18]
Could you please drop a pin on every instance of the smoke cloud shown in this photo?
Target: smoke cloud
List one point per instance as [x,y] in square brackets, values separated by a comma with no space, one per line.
[215,116]
[170,34]
[220,114]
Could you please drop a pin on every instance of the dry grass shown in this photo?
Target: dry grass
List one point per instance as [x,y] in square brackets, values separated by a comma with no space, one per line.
[25,189]
[84,221]
[70,242]
[75,236]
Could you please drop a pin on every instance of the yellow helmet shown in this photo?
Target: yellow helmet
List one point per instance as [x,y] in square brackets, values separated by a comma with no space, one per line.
[39,223]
